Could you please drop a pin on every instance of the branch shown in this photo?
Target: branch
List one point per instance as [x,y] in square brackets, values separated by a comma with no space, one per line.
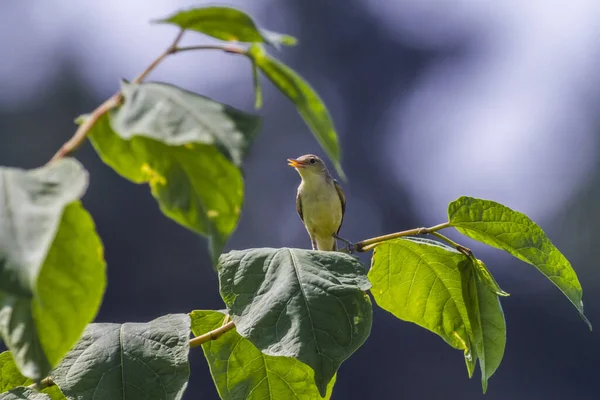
[212,335]
[44,383]
[368,244]
[83,130]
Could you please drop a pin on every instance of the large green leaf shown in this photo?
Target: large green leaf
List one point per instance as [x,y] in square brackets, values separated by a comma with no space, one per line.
[307,101]
[174,141]
[243,372]
[499,226]
[52,271]
[419,280]
[309,305]
[228,24]
[129,361]
[11,378]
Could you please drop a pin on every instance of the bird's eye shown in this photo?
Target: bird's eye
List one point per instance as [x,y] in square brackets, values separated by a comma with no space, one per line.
[312,161]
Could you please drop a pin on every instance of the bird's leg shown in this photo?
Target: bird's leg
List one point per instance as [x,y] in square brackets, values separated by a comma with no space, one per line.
[350,246]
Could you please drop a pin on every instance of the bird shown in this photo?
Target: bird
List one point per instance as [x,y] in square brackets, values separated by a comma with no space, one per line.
[320,202]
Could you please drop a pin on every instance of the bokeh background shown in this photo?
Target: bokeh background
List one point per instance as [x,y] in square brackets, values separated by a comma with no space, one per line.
[432,99]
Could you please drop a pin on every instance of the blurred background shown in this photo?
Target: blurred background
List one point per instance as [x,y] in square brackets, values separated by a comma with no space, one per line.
[432,99]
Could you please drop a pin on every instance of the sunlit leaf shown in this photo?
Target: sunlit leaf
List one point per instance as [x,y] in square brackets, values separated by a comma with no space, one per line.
[419,281]
[307,101]
[499,226]
[226,23]
[487,278]
[309,305]
[132,361]
[52,271]
[243,372]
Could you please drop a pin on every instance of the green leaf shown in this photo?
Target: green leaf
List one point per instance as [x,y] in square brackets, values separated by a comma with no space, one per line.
[11,378]
[226,23]
[439,289]
[23,393]
[130,361]
[499,226]
[420,281]
[175,117]
[307,101]
[52,271]
[309,305]
[241,371]
[172,140]
[487,319]
[487,278]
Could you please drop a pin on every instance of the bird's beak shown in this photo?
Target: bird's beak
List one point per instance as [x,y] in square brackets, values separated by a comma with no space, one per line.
[292,162]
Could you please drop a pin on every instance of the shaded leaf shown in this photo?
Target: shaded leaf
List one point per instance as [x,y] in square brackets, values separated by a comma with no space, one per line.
[175,117]
[11,378]
[52,271]
[307,101]
[309,305]
[227,23]
[130,361]
[499,226]
[22,393]
[241,371]
[420,281]
[176,149]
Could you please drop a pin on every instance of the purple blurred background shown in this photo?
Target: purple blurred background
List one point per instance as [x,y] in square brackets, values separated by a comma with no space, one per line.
[432,100]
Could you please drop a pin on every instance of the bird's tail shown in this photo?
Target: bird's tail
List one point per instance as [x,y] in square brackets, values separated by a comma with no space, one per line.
[326,244]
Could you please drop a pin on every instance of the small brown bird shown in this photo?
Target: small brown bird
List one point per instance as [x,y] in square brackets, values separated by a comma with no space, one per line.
[320,202]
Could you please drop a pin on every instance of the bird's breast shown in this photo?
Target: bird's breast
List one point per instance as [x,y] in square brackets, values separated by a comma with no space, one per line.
[321,209]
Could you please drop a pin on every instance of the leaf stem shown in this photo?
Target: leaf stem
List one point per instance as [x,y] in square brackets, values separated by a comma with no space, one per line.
[465,250]
[368,244]
[83,130]
[212,335]
[225,48]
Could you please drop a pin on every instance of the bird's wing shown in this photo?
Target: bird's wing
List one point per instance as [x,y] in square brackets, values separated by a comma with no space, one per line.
[299,206]
[342,200]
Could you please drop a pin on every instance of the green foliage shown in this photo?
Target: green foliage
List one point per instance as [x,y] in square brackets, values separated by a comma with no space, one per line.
[243,372]
[296,314]
[229,24]
[307,101]
[52,272]
[499,226]
[436,287]
[187,148]
[309,305]
[130,361]
[11,379]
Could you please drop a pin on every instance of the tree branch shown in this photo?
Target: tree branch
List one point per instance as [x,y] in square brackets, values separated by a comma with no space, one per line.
[83,130]
[368,244]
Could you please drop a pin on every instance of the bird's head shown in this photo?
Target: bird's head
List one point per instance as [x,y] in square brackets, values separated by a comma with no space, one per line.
[309,166]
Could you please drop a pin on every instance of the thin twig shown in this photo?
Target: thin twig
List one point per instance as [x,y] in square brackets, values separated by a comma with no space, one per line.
[212,335]
[83,130]
[44,383]
[465,250]
[368,244]
[225,48]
